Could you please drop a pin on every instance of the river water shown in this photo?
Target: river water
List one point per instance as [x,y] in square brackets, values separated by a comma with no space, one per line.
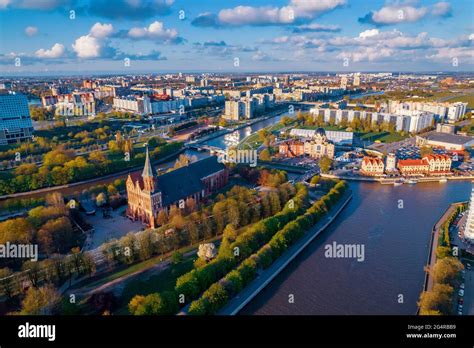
[396,243]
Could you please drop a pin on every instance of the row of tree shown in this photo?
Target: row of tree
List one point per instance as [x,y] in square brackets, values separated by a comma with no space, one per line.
[240,206]
[218,294]
[445,273]
[60,167]
[236,245]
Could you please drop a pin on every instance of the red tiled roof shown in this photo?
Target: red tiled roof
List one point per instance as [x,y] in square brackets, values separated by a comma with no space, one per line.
[413,162]
[372,160]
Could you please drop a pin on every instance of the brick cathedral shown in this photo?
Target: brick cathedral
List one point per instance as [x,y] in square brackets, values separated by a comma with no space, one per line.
[149,193]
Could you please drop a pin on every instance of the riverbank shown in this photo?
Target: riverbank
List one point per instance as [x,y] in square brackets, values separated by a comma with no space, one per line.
[255,287]
[391,181]
[428,284]
[273,113]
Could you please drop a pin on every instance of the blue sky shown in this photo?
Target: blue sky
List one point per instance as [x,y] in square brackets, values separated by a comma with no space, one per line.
[209,35]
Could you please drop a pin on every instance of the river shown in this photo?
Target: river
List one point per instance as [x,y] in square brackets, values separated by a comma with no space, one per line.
[396,247]
[222,141]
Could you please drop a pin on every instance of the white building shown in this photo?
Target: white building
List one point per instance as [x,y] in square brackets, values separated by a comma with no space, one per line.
[356,80]
[450,111]
[75,104]
[135,104]
[469,229]
[456,111]
[415,122]
[337,137]
[391,164]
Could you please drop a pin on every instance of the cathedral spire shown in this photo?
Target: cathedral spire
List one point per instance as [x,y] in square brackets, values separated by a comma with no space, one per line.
[148,170]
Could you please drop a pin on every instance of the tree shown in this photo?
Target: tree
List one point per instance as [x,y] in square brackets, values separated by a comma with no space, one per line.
[6,282]
[56,235]
[17,230]
[446,270]
[43,300]
[314,180]
[101,199]
[162,217]
[436,301]
[286,120]
[265,155]
[177,257]
[425,151]
[325,164]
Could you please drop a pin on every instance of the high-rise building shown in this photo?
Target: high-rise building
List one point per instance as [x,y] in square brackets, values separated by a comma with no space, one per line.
[356,80]
[15,121]
[469,229]
[344,82]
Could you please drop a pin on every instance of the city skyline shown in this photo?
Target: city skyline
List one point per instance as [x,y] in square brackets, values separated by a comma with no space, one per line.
[238,37]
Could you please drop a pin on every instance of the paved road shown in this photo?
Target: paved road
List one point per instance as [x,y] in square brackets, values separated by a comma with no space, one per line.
[468,308]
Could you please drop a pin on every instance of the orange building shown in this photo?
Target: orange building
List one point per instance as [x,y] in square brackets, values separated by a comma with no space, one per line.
[292,148]
[428,165]
[439,164]
[411,167]
[372,166]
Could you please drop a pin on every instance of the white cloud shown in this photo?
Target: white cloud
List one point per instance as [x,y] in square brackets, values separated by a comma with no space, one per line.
[471,37]
[369,33]
[247,15]
[367,54]
[271,15]
[441,8]
[87,46]
[155,31]
[309,8]
[56,51]
[101,31]
[449,53]
[398,14]
[31,31]
[4,3]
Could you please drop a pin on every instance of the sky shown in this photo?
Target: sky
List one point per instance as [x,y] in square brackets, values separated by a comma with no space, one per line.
[41,36]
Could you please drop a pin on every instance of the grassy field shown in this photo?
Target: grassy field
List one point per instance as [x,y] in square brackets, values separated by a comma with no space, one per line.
[163,281]
[383,137]
[254,141]
[469,99]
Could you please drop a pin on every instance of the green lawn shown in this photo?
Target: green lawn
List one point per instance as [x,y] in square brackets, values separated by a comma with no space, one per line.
[253,139]
[469,99]
[384,137]
[163,281]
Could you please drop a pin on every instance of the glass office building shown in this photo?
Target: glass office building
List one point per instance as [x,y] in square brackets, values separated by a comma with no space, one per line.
[15,121]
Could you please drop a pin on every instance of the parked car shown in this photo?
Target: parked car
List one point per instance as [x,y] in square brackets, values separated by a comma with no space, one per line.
[461,293]
[462,286]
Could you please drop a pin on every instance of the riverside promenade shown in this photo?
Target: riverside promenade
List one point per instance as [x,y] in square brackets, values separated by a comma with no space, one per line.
[434,244]
[264,278]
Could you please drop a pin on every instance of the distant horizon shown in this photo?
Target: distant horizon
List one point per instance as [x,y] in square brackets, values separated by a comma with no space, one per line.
[195,72]
[73,36]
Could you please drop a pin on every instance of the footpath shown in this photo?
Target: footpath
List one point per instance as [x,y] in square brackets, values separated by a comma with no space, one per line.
[265,277]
